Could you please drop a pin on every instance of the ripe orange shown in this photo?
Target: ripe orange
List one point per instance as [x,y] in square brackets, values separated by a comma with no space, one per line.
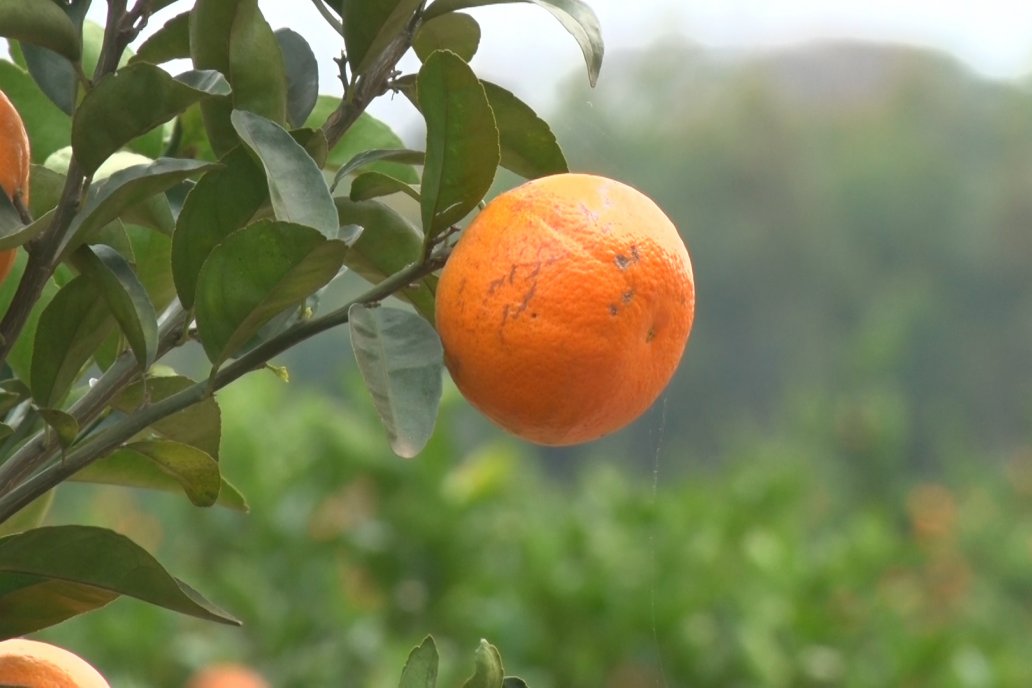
[35,664]
[14,165]
[565,308]
[227,676]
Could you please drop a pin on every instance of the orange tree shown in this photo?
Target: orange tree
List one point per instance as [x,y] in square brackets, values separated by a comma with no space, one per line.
[209,208]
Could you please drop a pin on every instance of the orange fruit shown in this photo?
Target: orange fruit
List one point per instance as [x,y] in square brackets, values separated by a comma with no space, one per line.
[565,307]
[35,664]
[227,675]
[14,165]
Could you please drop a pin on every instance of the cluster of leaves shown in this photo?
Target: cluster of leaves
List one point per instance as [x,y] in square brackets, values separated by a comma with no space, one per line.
[210,208]
[776,569]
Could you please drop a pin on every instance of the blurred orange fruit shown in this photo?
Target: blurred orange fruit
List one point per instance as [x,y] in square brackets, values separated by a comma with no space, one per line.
[227,675]
[35,664]
[565,308]
[14,165]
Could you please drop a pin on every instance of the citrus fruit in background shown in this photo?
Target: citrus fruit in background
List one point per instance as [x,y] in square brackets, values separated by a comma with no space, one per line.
[14,165]
[565,307]
[36,664]
[227,676]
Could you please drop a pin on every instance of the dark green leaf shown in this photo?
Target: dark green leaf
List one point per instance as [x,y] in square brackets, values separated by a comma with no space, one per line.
[130,469]
[54,74]
[297,187]
[40,22]
[50,574]
[29,517]
[374,184]
[513,682]
[576,16]
[124,189]
[455,31]
[255,274]
[529,147]
[199,425]
[369,157]
[302,72]
[70,329]
[421,667]
[462,150]
[48,127]
[369,27]
[387,244]
[400,358]
[131,102]
[65,425]
[170,42]
[223,200]
[232,37]
[488,671]
[126,297]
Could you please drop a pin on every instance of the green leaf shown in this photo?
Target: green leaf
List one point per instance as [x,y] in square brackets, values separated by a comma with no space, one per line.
[65,425]
[221,202]
[126,297]
[125,189]
[193,469]
[302,73]
[46,187]
[48,127]
[367,133]
[152,261]
[369,157]
[374,184]
[42,23]
[400,358]
[462,150]
[199,425]
[20,358]
[388,243]
[421,666]
[126,468]
[513,682]
[369,27]
[255,274]
[576,16]
[232,37]
[529,147]
[297,187]
[488,671]
[455,31]
[70,329]
[131,102]
[29,517]
[53,573]
[170,42]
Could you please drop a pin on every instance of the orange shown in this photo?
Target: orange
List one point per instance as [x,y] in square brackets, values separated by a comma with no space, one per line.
[35,664]
[14,165]
[227,676]
[565,307]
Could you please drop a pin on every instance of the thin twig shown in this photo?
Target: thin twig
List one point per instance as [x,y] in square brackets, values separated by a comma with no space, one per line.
[328,16]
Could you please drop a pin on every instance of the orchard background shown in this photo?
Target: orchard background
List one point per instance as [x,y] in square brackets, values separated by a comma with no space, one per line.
[835,490]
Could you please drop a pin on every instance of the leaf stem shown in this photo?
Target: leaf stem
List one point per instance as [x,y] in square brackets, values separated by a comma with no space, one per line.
[328,16]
